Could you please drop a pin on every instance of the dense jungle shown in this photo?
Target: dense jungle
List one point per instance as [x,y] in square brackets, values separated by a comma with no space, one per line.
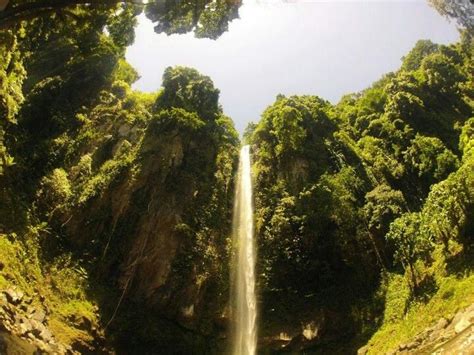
[116,205]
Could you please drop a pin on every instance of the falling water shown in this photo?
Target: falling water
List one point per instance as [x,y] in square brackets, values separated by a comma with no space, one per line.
[244,303]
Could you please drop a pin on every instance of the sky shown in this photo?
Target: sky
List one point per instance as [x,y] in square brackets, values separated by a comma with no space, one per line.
[291,47]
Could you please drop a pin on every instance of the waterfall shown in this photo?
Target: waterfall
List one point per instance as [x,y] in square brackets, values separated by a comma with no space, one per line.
[243,297]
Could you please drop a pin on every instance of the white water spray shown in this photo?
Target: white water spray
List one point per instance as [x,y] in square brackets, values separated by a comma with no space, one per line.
[243,297]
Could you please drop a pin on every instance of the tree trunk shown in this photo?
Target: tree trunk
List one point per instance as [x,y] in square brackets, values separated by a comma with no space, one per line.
[378,252]
[413,277]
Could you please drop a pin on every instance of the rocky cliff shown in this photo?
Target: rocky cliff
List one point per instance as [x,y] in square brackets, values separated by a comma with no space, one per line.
[141,193]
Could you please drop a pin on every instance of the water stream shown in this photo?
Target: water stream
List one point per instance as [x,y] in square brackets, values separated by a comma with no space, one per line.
[243,296]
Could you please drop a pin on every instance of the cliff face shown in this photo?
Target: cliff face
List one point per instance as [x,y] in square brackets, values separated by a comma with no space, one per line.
[116,205]
[161,226]
[140,188]
[352,203]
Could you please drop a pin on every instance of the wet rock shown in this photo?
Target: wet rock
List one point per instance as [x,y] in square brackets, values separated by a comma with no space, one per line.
[7,326]
[438,329]
[310,331]
[222,321]
[44,347]
[56,349]
[9,310]
[11,344]
[457,317]
[448,336]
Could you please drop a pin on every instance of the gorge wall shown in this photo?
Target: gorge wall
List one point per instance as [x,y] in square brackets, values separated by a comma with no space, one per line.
[131,193]
[363,208]
[117,205]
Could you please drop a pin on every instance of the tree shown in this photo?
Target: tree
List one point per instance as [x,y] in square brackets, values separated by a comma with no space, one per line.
[441,75]
[466,139]
[449,206]
[412,60]
[429,158]
[54,191]
[12,74]
[411,242]
[186,88]
[207,18]
[383,205]
[287,128]
[248,132]
[460,10]
[377,153]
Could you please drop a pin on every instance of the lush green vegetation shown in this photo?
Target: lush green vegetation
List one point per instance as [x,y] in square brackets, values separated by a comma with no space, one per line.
[116,205]
[113,200]
[362,199]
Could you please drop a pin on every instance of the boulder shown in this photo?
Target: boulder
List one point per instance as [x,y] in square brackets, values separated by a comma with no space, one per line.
[402,347]
[3,299]
[442,323]
[461,325]
[37,328]
[413,345]
[46,335]
[25,328]
[38,315]
[463,320]
[13,296]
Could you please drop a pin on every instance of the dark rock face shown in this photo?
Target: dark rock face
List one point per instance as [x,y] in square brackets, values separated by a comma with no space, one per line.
[163,239]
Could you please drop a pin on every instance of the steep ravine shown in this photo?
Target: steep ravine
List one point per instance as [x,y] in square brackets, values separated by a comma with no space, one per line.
[140,203]
[116,216]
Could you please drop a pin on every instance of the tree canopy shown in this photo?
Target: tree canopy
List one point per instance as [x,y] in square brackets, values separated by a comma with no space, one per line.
[207,18]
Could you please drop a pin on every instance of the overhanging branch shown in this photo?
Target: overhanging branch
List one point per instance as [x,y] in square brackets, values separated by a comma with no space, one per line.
[26,11]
